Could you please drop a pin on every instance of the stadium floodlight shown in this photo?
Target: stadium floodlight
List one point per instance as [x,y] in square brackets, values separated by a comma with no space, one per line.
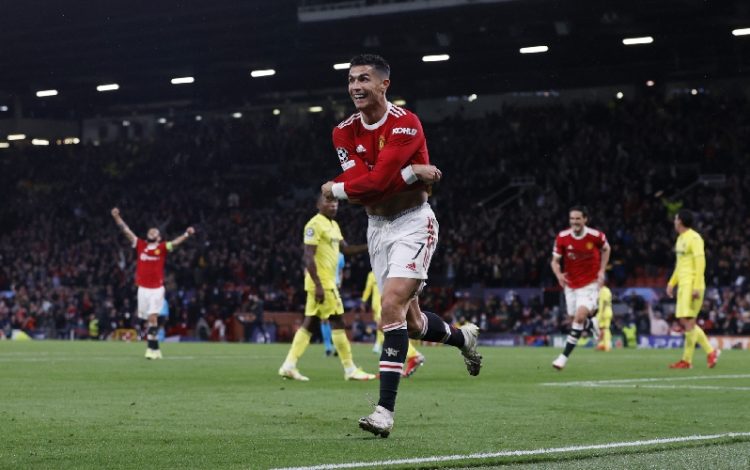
[693,92]
[741,32]
[108,87]
[45,93]
[636,41]
[182,80]
[533,49]
[70,141]
[619,95]
[125,123]
[650,83]
[315,109]
[399,102]
[237,115]
[262,73]
[436,58]
[16,136]
[39,142]
[341,66]
[162,120]
[199,118]
[276,112]
[4,145]
[472,97]
[3,108]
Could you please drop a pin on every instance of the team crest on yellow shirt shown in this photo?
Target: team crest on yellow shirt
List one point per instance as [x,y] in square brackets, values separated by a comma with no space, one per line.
[589,246]
[381,142]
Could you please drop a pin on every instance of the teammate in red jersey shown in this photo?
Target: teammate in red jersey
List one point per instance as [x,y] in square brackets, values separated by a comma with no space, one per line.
[586,254]
[383,152]
[149,276]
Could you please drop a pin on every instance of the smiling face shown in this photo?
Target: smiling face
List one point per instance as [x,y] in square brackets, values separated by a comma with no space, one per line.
[577,221]
[367,87]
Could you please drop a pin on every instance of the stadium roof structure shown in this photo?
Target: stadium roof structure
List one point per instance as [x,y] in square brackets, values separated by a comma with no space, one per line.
[141,45]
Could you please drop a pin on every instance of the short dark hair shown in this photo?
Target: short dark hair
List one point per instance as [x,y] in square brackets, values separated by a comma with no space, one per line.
[377,62]
[580,208]
[686,217]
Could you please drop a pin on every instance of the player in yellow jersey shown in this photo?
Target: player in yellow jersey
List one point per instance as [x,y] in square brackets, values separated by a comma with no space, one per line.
[604,319]
[414,359]
[323,242]
[688,278]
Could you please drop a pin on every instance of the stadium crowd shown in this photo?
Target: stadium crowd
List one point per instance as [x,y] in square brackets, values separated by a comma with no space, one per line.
[248,186]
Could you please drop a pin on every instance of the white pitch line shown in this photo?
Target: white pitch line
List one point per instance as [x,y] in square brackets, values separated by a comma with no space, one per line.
[669,387]
[520,453]
[650,379]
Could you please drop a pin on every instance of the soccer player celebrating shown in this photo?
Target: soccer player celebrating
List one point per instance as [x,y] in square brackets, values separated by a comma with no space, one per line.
[688,278]
[586,253]
[323,242]
[414,359]
[604,319]
[149,276]
[383,152]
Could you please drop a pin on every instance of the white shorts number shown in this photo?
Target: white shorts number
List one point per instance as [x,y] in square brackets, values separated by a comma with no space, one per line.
[402,247]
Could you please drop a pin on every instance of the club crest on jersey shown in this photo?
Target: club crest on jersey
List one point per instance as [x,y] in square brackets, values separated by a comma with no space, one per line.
[157,252]
[361,148]
[309,232]
[381,142]
[342,154]
[589,246]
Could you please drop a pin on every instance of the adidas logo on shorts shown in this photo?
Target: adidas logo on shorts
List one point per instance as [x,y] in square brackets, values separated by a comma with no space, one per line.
[412,267]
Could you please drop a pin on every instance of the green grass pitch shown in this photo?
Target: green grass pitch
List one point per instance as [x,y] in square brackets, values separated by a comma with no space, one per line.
[102,405]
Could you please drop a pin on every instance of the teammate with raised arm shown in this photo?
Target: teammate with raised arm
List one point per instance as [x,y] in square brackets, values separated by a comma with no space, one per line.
[586,254]
[151,255]
[383,152]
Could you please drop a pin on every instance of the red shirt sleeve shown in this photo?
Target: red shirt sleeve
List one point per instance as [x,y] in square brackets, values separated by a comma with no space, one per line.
[559,248]
[139,244]
[401,145]
[601,240]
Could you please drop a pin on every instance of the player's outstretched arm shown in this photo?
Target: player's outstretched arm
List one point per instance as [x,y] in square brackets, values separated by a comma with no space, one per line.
[188,233]
[123,226]
[348,249]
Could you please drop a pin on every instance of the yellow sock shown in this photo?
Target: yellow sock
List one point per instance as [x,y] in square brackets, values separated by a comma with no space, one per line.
[607,339]
[341,342]
[379,337]
[299,344]
[702,340]
[412,351]
[690,337]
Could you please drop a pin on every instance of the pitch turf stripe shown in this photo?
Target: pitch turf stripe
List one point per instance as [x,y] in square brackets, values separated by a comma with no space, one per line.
[651,379]
[521,453]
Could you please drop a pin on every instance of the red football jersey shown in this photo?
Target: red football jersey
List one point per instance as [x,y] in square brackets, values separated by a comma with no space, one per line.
[149,268]
[582,255]
[372,155]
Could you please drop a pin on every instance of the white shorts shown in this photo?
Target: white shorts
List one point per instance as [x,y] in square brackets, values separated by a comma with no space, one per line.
[402,245]
[150,301]
[586,296]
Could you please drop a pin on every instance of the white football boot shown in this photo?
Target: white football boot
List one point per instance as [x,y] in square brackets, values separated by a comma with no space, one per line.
[560,362]
[380,422]
[358,374]
[292,373]
[472,358]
